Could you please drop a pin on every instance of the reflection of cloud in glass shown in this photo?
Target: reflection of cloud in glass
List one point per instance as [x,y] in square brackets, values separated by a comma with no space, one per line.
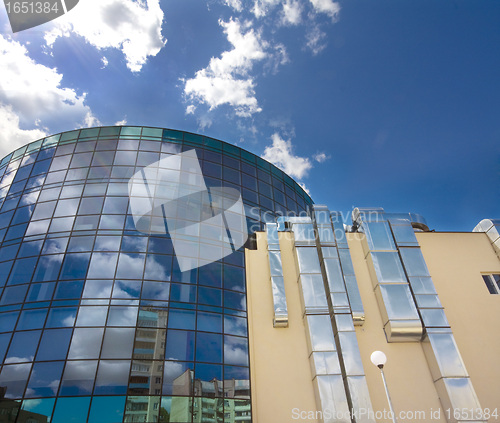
[15,378]
[235,351]
[130,266]
[122,316]
[158,267]
[86,343]
[235,325]
[92,316]
[102,265]
[97,289]
[10,360]
[30,405]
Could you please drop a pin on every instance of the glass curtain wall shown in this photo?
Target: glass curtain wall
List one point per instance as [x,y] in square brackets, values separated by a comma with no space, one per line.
[98,323]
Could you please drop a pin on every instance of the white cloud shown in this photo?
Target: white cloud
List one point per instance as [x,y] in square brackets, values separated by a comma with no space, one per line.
[280,154]
[235,4]
[320,157]
[134,27]
[315,40]
[30,93]
[104,62]
[122,122]
[190,109]
[225,80]
[328,7]
[292,12]
[262,7]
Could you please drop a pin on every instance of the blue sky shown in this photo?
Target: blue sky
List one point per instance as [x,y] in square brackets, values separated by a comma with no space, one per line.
[392,104]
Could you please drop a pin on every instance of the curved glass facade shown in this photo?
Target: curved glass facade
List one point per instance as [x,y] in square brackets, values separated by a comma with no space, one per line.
[101,320]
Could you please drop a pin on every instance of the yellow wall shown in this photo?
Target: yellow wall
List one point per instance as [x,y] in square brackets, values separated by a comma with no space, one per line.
[280,371]
[455,262]
[408,377]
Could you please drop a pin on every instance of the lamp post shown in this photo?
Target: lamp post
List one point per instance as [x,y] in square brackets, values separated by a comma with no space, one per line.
[379,359]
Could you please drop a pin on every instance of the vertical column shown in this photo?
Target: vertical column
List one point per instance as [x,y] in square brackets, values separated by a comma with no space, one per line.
[342,320]
[447,367]
[399,313]
[280,319]
[325,366]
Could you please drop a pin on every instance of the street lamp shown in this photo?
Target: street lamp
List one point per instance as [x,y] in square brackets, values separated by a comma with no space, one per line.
[379,359]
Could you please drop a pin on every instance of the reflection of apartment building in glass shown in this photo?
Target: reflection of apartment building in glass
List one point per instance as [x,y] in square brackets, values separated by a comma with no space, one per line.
[152,275]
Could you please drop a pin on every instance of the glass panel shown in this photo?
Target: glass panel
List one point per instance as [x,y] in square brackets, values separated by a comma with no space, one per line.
[112,377]
[210,322]
[320,333]
[183,293]
[235,325]
[156,290]
[22,271]
[235,350]
[61,317]
[48,268]
[210,296]
[107,243]
[181,319]
[179,345]
[41,407]
[178,378]
[234,300]
[130,266]
[118,343]
[122,316]
[313,290]
[23,346]
[398,301]
[44,380]
[51,337]
[158,267]
[208,380]
[176,409]
[78,378]
[14,294]
[32,319]
[86,343]
[14,377]
[379,236]
[92,316]
[71,410]
[102,265]
[208,347]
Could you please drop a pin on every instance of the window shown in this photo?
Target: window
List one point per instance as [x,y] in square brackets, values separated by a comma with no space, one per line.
[492,283]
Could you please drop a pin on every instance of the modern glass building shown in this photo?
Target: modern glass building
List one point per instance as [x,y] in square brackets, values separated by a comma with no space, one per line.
[122,275]
[151,275]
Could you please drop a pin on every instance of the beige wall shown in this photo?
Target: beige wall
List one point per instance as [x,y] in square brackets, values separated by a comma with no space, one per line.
[455,262]
[280,371]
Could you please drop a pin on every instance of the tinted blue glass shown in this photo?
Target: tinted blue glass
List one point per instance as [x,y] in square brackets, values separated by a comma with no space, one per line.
[234,278]
[81,243]
[134,244]
[55,245]
[158,267]
[4,343]
[9,252]
[78,378]
[39,406]
[107,243]
[112,377]
[44,380]
[211,274]
[122,316]
[127,289]
[40,292]
[130,266]
[183,293]
[102,265]
[13,294]
[180,345]
[115,205]
[234,300]
[155,291]
[48,268]
[235,350]
[22,215]
[71,410]
[210,322]
[97,289]
[15,377]
[107,409]
[23,346]
[68,290]
[208,373]
[75,266]
[4,271]
[15,232]
[32,319]
[40,167]
[61,317]
[31,248]
[8,321]
[22,173]
[22,271]
[209,296]
[5,218]
[189,276]
[50,339]
[181,319]
[209,347]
